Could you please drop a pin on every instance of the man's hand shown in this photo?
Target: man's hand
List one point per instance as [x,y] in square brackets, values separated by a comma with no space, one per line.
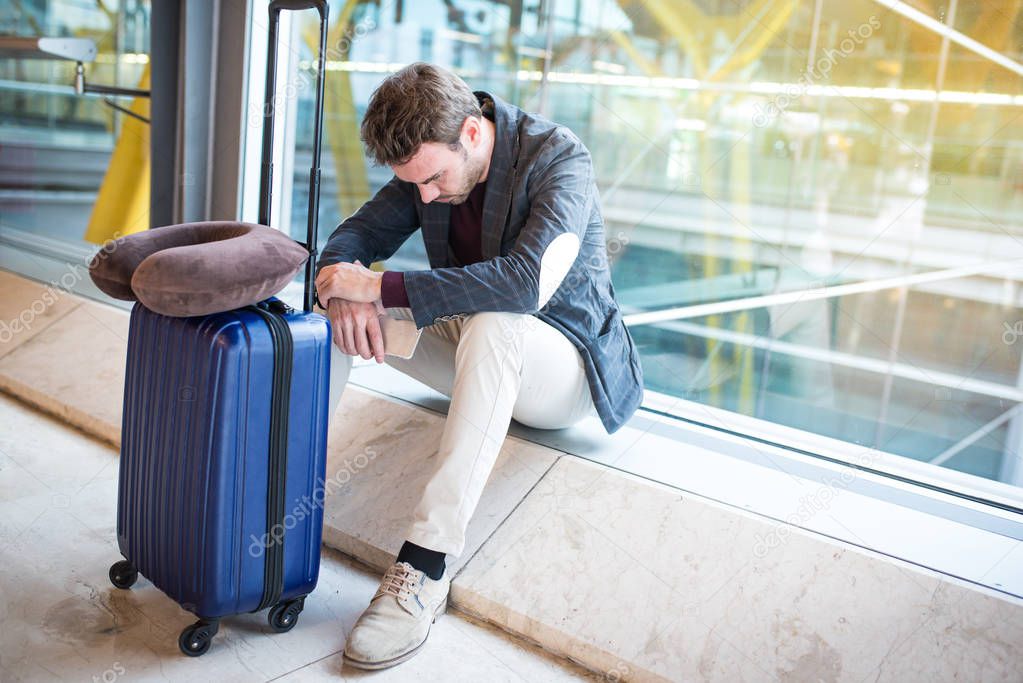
[351,281]
[356,328]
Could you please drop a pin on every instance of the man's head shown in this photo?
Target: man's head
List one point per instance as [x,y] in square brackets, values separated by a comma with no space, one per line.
[426,124]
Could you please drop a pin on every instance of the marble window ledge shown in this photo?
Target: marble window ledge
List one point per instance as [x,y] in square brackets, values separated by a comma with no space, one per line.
[870,511]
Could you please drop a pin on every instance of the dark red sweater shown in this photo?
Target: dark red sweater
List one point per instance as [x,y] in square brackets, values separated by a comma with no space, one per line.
[465,235]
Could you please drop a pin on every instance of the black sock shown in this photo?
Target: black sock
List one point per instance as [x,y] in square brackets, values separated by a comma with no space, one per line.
[431,562]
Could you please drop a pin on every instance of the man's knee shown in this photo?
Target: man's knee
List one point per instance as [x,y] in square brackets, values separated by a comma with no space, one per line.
[498,327]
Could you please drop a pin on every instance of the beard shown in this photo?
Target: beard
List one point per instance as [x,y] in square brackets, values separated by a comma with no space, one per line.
[472,172]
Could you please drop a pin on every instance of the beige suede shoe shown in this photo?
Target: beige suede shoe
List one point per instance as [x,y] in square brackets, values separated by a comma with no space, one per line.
[395,625]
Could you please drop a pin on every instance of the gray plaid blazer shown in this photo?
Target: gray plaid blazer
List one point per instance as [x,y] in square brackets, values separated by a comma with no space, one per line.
[540,184]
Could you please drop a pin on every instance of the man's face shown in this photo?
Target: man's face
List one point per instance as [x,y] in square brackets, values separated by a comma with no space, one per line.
[444,174]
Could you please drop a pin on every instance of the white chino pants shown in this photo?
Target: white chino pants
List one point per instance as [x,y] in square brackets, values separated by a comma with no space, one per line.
[493,366]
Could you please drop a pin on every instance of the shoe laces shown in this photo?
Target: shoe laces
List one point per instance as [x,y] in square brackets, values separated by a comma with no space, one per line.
[399,580]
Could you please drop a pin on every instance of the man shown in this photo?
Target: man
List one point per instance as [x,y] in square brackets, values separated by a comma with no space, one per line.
[518,308]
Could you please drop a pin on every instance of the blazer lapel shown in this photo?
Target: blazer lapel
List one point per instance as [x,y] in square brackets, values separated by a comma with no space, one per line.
[500,176]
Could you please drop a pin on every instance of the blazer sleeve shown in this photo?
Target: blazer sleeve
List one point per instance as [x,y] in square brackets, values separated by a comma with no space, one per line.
[376,230]
[561,202]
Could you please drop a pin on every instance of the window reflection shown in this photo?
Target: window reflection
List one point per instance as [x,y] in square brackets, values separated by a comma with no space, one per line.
[809,204]
[753,149]
[56,145]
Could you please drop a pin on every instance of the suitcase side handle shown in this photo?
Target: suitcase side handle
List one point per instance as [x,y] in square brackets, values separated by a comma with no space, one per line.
[266,170]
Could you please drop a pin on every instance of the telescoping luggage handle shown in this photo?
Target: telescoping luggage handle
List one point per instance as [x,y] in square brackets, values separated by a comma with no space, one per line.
[266,175]
[280,333]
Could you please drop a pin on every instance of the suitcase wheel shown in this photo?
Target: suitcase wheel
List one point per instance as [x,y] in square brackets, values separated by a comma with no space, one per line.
[283,616]
[123,574]
[195,640]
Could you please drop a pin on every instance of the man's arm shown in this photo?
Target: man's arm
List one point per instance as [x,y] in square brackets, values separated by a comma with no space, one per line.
[523,280]
[376,230]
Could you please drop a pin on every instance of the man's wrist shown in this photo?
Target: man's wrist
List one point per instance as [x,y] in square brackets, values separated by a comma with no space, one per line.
[392,289]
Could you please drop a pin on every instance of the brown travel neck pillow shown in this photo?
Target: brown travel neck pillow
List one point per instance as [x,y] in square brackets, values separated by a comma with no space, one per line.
[198,268]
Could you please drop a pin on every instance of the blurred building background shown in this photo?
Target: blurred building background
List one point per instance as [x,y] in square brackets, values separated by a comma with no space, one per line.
[814,208]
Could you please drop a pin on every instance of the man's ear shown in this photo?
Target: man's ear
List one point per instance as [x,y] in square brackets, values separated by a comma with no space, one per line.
[472,132]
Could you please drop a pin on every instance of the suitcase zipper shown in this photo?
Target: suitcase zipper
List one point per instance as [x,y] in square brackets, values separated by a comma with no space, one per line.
[280,402]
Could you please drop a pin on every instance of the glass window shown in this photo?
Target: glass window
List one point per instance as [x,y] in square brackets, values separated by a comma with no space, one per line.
[483,42]
[57,145]
[813,209]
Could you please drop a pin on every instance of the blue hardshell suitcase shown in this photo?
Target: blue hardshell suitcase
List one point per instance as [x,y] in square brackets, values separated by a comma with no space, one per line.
[224,435]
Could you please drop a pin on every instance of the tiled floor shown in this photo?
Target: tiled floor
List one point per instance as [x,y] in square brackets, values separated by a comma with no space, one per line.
[62,620]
